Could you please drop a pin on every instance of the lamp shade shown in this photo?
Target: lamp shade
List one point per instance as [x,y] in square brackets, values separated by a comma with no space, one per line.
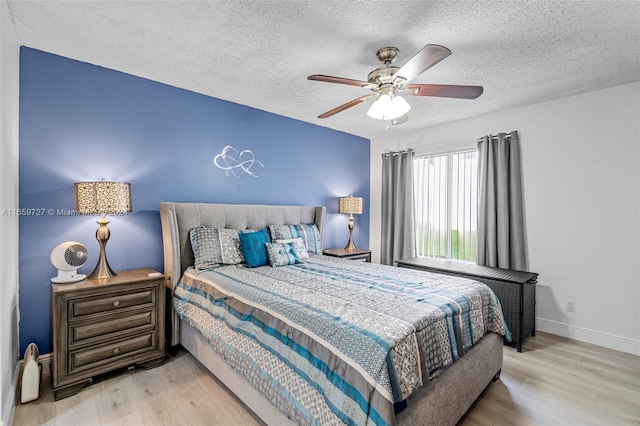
[350,205]
[103,197]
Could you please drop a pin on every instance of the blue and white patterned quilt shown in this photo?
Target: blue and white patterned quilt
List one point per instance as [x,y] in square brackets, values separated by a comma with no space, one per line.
[338,341]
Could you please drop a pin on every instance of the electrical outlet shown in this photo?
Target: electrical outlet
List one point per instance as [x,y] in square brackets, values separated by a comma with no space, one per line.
[570,305]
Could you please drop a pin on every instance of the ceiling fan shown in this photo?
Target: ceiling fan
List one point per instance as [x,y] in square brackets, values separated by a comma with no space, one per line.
[389,82]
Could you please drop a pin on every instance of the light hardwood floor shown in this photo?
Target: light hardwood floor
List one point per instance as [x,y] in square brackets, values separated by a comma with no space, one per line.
[555,381]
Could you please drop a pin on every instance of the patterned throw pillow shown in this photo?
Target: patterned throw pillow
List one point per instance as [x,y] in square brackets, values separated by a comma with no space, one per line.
[230,245]
[309,234]
[253,247]
[282,254]
[207,252]
[298,245]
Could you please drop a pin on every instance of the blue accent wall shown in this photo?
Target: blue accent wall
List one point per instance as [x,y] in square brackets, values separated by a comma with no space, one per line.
[80,122]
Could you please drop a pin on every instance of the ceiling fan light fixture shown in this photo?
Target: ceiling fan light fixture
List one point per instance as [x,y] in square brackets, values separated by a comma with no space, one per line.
[379,107]
[399,107]
[387,107]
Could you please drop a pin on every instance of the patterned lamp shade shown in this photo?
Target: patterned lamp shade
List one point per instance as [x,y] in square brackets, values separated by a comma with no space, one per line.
[350,205]
[103,197]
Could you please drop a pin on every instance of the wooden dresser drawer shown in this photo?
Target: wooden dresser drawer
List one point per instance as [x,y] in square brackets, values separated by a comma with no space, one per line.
[108,329]
[82,307]
[99,355]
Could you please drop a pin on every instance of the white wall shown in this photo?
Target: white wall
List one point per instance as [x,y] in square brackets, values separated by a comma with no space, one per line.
[9,82]
[581,160]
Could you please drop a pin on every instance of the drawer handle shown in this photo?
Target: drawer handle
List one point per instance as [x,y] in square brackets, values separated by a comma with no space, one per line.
[116,303]
[116,351]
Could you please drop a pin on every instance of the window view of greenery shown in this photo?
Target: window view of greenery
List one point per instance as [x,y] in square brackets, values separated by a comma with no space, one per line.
[446,205]
[463,246]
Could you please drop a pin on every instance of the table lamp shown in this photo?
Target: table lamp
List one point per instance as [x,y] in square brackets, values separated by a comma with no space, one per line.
[103,198]
[350,205]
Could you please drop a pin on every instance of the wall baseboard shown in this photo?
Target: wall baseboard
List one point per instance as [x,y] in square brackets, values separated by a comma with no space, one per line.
[611,341]
[45,362]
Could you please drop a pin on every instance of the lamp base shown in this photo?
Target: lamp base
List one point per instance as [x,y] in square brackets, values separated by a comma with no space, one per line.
[350,245]
[102,270]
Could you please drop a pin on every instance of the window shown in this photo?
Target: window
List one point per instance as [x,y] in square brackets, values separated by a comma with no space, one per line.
[446,200]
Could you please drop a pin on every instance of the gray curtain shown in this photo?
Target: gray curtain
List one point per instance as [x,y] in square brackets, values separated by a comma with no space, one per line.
[398,229]
[501,228]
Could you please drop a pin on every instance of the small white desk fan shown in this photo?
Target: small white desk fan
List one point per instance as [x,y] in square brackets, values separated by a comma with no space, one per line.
[68,257]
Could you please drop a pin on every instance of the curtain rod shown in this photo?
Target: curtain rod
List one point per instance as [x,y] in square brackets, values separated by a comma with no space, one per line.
[386,154]
[506,135]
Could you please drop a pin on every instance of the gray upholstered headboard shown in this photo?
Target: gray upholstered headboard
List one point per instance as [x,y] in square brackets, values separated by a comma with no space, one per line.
[178,219]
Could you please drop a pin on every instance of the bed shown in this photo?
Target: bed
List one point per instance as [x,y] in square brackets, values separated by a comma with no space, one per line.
[206,304]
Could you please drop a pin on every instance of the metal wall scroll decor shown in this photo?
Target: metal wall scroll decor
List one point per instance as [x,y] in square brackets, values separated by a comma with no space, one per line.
[238,163]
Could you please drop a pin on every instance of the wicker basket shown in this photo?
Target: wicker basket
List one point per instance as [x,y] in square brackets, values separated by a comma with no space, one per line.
[516,291]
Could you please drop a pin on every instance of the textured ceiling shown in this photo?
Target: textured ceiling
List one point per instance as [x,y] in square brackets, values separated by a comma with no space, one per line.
[259,53]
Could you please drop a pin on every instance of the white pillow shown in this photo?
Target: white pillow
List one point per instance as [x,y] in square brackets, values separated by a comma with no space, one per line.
[298,245]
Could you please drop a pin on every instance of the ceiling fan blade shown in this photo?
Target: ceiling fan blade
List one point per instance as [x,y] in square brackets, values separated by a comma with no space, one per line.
[445,90]
[347,105]
[430,55]
[339,80]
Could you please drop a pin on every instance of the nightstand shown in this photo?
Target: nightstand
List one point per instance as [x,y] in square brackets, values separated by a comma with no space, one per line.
[102,325]
[356,254]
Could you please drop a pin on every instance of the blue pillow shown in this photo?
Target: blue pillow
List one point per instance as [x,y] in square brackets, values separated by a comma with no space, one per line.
[253,247]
